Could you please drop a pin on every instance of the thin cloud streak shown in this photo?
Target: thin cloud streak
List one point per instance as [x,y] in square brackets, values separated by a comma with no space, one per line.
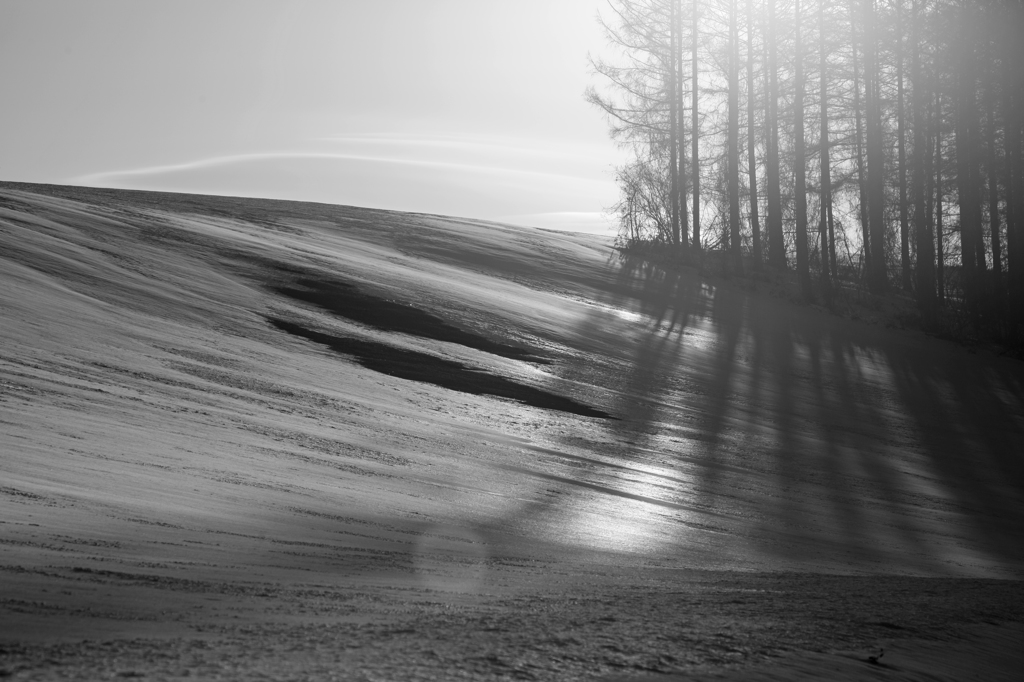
[108,176]
[489,191]
[513,146]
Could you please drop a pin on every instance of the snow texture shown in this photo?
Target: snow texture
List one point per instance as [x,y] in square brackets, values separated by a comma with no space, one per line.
[246,437]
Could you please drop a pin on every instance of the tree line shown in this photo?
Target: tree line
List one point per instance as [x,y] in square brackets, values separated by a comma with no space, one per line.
[869,143]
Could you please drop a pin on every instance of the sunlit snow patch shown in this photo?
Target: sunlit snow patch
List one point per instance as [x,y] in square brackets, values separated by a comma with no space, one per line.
[621,313]
[616,507]
[700,335]
[633,518]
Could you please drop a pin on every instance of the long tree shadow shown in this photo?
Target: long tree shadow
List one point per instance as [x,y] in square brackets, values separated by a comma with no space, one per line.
[969,411]
[813,442]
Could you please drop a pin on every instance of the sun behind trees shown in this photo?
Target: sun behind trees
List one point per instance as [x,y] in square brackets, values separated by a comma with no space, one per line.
[893,127]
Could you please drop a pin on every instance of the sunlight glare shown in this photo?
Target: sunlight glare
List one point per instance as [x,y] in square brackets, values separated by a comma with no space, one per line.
[640,512]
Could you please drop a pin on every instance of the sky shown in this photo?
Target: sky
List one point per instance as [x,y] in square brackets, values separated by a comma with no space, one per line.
[471,108]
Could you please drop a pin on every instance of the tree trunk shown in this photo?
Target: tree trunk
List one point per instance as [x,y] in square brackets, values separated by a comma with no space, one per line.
[673,116]
[695,133]
[940,253]
[826,233]
[734,138]
[1013,139]
[755,223]
[776,240]
[925,270]
[800,162]
[993,189]
[861,184]
[684,223]
[902,144]
[877,280]
[965,165]
[1013,121]
[929,176]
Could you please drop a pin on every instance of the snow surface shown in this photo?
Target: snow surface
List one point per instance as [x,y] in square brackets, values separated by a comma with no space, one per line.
[157,427]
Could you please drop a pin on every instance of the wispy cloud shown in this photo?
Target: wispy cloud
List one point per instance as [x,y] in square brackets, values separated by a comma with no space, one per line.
[241,159]
[478,143]
[470,178]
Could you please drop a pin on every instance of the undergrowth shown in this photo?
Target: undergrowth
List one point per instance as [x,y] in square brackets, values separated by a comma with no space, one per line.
[847,297]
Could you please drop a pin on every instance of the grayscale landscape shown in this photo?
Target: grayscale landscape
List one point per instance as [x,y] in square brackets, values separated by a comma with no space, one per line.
[552,340]
[256,439]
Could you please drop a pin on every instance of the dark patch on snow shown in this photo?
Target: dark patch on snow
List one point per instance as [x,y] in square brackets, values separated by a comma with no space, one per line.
[346,300]
[425,368]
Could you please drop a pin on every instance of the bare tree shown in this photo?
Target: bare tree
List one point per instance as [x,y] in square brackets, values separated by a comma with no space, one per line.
[826,226]
[877,276]
[922,225]
[755,223]
[800,162]
[776,240]
[734,138]
[695,124]
[907,277]
[939,81]
[858,114]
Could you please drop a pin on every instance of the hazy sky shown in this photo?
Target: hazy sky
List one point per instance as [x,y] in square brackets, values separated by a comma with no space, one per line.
[463,107]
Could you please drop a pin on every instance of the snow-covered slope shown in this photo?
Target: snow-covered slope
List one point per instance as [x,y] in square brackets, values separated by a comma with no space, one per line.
[215,391]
